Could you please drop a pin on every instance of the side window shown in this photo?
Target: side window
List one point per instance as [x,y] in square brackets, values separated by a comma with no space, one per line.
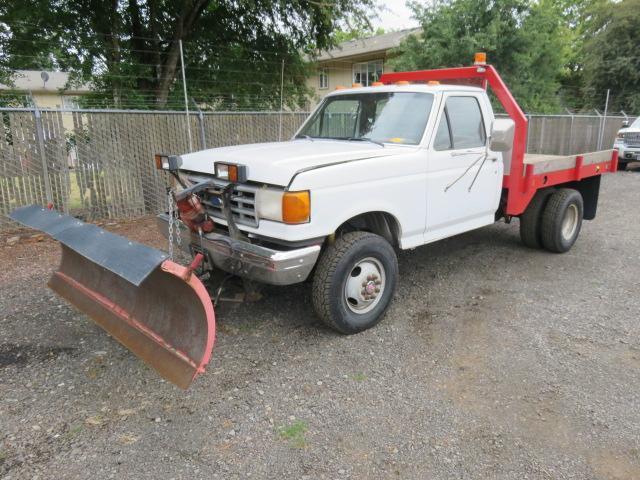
[443,137]
[467,126]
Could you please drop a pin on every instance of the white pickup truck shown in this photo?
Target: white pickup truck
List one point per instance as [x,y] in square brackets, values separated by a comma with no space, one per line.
[392,166]
[627,143]
[397,165]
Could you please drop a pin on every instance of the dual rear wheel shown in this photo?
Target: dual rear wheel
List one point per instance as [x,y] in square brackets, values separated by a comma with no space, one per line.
[552,220]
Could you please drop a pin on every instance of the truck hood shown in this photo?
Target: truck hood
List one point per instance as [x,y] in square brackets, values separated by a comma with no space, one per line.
[276,163]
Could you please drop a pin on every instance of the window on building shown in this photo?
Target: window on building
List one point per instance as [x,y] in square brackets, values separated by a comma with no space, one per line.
[366,73]
[324,79]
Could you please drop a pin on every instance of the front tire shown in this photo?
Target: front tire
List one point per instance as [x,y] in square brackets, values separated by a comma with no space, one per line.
[354,282]
[562,220]
[622,166]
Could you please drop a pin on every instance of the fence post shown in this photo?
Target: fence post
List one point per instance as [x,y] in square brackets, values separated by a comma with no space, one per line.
[528,132]
[599,128]
[570,149]
[43,155]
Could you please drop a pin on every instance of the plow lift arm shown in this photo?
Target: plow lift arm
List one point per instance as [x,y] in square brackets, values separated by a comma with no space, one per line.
[155,307]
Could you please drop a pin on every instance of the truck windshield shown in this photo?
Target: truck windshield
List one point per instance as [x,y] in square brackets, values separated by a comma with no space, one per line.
[391,117]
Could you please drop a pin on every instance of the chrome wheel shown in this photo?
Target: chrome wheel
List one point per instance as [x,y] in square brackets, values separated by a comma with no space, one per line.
[570,222]
[364,286]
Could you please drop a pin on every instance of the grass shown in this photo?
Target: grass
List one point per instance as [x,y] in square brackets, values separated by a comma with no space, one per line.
[359,377]
[294,433]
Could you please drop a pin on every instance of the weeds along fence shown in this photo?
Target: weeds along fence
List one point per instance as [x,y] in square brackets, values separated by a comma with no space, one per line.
[98,164]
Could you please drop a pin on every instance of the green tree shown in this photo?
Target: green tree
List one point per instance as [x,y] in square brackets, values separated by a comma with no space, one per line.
[128,50]
[525,40]
[611,55]
[340,36]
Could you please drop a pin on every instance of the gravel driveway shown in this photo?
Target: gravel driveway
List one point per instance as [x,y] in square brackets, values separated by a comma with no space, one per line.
[494,361]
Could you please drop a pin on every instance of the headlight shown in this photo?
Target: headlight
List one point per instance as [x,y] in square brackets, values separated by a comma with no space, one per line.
[167,162]
[287,207]
[619,136]
[230,172]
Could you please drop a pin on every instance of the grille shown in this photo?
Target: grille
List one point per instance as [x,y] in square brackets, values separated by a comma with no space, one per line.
[632,138]
[243,205]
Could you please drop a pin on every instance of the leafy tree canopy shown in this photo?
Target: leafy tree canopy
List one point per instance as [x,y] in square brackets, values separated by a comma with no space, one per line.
[526,40]
[611,54]
[128,50]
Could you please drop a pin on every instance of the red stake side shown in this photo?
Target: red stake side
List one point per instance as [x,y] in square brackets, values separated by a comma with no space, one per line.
[521,182]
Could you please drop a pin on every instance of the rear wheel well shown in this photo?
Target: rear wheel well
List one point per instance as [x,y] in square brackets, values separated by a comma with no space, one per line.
[380,223]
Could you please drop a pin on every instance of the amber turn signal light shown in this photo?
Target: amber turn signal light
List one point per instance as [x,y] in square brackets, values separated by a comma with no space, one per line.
[296,207]
[480,58]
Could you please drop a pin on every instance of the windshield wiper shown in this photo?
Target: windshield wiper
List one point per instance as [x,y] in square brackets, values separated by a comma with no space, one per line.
[308,137]
[364,139]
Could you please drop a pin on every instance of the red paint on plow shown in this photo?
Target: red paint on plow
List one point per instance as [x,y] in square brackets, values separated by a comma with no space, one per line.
[168,321]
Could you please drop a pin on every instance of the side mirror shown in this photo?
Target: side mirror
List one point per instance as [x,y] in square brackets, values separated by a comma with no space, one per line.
[625,123]
[502,131]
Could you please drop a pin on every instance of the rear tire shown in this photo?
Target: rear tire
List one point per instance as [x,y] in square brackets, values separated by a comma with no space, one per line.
[562,220]
[354,282]
[531,220]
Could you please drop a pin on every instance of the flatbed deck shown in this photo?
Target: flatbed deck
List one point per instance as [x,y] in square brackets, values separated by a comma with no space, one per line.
[553,163]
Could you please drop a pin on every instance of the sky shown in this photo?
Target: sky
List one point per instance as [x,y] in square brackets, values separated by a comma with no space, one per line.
[395,15]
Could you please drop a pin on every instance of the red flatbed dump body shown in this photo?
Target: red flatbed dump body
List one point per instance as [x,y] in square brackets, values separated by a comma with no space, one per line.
[527,173]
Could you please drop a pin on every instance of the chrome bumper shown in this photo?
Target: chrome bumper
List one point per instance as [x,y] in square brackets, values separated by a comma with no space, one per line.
[265,265]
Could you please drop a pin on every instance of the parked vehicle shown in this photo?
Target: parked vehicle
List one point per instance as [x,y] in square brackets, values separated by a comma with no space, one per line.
[403,163]
[627,143]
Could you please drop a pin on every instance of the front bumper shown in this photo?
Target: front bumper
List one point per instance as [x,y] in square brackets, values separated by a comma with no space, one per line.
[627,153]
[264,265]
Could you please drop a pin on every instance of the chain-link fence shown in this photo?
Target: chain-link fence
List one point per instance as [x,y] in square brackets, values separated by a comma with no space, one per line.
[98,164]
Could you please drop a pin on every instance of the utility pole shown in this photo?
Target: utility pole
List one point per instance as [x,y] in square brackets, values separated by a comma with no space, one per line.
[281,100]
[186,101]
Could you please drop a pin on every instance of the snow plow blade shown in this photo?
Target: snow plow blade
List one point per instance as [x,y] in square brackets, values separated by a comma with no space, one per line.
[156,308]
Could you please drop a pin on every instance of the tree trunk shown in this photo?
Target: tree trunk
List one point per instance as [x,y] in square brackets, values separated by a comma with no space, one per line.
[190,14]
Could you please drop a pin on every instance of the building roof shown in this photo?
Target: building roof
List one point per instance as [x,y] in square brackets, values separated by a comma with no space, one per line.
[361,46]
[33,81]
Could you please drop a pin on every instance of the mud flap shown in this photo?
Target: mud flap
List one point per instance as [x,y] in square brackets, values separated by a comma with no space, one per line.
[156,308]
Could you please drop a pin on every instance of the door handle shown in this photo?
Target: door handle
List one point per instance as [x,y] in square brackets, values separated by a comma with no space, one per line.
[466,152]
